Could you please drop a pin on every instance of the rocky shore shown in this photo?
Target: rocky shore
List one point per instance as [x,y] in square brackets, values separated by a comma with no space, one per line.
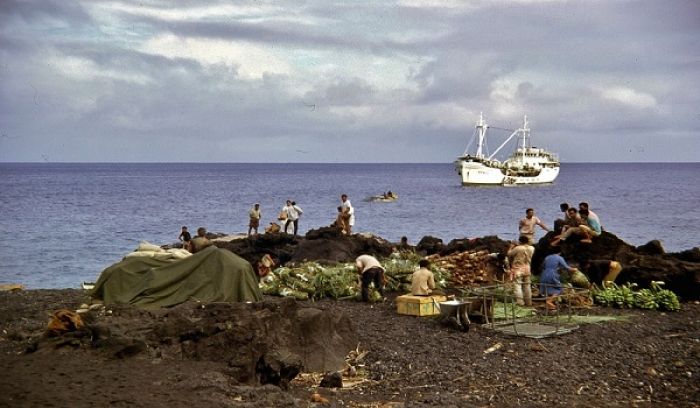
[274,353]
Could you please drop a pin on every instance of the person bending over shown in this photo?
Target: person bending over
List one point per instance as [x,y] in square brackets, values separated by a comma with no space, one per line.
[371,271]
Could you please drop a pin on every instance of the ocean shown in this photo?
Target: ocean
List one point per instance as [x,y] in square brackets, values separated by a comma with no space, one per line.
[66,222]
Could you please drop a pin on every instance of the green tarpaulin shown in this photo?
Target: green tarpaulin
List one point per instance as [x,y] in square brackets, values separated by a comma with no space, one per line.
[212,275]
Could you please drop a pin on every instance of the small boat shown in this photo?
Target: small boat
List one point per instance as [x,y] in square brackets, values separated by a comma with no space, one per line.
[526,165]
[387,197]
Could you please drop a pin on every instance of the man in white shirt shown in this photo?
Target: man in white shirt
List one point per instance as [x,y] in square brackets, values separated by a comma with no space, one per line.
[370,270]
[527,225]
[293,212]
[348,210]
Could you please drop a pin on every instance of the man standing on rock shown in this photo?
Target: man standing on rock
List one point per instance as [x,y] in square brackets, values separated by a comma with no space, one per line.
[527,225]
[254,214]
[349,211]
[520,257]
[370,271]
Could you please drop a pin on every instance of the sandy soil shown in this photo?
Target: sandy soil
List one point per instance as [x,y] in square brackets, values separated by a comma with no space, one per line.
[649,359]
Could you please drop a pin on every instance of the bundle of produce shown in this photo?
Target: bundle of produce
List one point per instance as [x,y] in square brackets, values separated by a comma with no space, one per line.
[311,280]
[625,296]
[467,268]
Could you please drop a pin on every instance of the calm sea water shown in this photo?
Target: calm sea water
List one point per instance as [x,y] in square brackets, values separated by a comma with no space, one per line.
[64,223]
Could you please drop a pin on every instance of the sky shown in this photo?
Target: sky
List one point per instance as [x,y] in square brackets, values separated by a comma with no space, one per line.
[325,81]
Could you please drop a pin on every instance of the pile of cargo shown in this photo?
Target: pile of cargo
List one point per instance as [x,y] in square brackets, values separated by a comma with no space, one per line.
[469,268]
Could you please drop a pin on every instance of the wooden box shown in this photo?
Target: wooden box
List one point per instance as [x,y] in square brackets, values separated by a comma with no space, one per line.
[419,305]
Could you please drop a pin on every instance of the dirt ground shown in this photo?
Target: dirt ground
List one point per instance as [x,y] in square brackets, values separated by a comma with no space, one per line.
[649,359]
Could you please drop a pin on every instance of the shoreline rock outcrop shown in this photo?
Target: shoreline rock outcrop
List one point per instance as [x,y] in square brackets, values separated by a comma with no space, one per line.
[680,271]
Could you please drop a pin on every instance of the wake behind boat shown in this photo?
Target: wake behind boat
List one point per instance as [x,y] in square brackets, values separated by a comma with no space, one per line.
[526,165]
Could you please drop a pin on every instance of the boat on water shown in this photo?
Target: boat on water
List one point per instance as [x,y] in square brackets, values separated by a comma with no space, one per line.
[526,165]
[388,197]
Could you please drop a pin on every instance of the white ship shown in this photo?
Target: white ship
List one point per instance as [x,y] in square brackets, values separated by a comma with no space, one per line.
[526,165]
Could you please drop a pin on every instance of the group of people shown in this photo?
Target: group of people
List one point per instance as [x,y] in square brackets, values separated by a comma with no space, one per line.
[291,213]
[196,244]
[584,223]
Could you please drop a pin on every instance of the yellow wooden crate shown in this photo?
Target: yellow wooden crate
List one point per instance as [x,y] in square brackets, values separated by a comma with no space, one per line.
[418,305]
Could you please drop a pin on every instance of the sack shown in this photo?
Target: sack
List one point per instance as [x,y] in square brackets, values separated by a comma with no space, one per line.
[282,216]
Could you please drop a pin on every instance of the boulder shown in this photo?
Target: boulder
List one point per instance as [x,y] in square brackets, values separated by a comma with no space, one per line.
[430,245]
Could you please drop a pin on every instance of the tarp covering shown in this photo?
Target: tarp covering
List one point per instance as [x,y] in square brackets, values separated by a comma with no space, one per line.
[212,275]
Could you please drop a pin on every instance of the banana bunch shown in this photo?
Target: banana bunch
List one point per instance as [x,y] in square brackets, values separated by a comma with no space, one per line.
[646,299]
[625,296]
[666,299]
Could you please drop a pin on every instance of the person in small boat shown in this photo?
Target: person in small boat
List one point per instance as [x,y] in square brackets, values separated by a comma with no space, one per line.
[526,226]
[422,280]
[550,280]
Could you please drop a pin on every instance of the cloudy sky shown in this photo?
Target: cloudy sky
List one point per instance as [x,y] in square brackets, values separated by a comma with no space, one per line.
[345,81]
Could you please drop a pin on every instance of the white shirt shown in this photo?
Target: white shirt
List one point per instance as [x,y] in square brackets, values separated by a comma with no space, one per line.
[292,213]
[346,205]
[365,262]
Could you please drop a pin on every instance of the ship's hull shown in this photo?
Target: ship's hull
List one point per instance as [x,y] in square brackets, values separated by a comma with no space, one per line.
[478,173]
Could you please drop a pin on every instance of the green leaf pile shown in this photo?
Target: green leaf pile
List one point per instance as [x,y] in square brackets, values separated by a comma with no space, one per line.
[311,280]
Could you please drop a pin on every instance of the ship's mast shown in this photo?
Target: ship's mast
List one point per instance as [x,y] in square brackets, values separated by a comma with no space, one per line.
[481,134]
[526,135]
[525,131]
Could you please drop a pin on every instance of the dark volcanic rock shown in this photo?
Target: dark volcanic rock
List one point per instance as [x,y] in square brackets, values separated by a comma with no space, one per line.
[491,243]
[690,255]
[642,265]
[267,342]
[653,247]
[324,244]
[430,245]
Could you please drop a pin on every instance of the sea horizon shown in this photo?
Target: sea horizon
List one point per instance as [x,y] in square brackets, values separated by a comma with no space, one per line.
[312,162]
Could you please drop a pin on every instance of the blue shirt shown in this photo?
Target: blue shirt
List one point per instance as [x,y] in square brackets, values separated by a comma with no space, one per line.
[594,223]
